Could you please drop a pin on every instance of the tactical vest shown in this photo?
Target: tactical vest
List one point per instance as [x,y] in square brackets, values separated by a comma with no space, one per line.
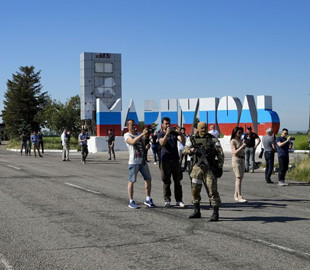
[209,145]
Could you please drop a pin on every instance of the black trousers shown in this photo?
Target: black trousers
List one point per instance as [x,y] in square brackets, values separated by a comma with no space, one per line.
[269,157]
[283,167]
[171,168]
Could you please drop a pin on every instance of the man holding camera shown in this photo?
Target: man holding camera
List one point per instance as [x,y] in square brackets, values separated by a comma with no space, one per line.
[83,137]
[170,165]
[208,160]
[137,163]
[283,146]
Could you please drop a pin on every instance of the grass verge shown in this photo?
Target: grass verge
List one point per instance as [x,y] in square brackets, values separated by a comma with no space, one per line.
[49,143]
[301,172]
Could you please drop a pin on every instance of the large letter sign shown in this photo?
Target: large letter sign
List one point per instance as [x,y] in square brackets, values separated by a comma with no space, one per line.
[108,118]
[208,110]
[169,108]
[228,114]
[189,109]
[151,112]
[266,117]
[248,114]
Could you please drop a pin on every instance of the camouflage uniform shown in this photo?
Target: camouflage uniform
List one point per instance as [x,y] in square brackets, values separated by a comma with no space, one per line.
[201,174]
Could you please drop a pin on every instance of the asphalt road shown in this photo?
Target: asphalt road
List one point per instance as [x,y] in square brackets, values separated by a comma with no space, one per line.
[66,215]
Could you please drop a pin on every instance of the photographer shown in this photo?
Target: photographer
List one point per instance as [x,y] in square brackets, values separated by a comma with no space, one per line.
[136,147]
[283,146]
[170,164]
[83,137]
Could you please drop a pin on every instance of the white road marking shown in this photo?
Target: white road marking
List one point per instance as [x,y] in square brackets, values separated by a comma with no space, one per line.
[16,168]
[282,248]
[85,189]
[5,262]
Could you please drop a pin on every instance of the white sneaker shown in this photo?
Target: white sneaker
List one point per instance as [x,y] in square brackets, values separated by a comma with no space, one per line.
[167,204]
[282,184]
[181,204]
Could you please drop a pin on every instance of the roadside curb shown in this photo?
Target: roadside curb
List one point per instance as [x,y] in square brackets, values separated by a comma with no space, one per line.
[47,150]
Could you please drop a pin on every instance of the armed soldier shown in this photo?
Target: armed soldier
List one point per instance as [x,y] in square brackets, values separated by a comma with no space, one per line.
[208,160]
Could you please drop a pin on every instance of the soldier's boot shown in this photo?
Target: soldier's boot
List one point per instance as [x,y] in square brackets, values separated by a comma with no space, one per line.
[215,215]
[196,213]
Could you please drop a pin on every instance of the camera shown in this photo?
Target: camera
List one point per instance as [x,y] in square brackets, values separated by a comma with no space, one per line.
[292,138]
[150,130]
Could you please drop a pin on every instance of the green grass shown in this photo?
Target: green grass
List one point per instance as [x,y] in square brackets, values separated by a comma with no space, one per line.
[301,141]
[49,143]
[301,172]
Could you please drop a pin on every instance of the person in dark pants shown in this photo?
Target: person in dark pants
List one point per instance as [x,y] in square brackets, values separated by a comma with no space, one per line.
[269,146]
[83,137]
[155,147]
[283,146]
[252,141]
[111,140]
[170,165]
[23,140]
[40,135]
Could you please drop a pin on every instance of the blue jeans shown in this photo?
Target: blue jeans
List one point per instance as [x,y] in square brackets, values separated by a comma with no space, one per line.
[249,157]
[135,168]
[269,157]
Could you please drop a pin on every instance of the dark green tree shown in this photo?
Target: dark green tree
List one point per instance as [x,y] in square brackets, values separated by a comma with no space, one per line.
[58,116]
[23,101]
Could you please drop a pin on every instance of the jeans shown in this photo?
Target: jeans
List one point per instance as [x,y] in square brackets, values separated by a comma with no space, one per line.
[249,157]
[155,148]
[269,157]
[283,167]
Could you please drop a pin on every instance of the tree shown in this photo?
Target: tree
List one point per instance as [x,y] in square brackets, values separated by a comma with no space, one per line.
[58,116]
[23,102]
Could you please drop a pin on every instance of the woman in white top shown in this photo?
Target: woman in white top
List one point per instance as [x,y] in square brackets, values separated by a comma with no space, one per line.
[238,163]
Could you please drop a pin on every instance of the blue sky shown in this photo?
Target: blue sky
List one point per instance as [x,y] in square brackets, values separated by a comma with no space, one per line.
[170,48]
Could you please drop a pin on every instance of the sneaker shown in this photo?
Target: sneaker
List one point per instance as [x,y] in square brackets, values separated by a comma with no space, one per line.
[155,163]
[282,184]
[149,203]
[236,198]
[109,158]
[167,204]
[181,204]
[252,171]
[241,199]
[133,205]
[269,182]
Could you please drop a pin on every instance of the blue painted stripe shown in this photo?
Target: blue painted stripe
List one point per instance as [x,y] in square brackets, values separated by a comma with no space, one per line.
[188,117]
[109,118]
[207,116]
[133,116]
[150,117]
[172,115]
[246,116]
[267,116]
[227,116]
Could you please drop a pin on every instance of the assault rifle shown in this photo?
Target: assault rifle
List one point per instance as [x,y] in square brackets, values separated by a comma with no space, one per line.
[201,152]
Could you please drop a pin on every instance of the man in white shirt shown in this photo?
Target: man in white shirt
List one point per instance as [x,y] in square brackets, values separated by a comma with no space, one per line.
[213,131]
[137,163]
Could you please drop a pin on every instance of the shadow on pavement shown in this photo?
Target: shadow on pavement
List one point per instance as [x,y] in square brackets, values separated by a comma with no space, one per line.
[281,219]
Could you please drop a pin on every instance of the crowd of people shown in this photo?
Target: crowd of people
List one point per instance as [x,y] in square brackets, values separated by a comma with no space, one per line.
[204,159]
[200,154]
[32,141]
